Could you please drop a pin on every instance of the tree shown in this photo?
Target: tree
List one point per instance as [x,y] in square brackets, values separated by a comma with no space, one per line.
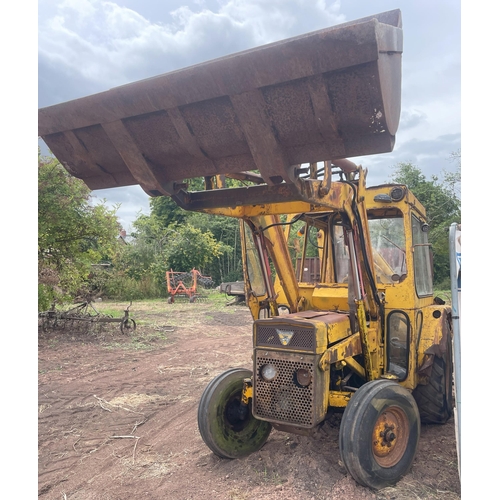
[139,271]
[73,234]
[226,230]
[190,247]
[441,199]
[167,211]
[227,265]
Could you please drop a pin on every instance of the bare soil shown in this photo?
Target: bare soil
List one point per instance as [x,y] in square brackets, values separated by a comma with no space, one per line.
[118,419]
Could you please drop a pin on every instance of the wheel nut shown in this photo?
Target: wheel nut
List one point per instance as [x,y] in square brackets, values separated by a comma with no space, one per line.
[389,436]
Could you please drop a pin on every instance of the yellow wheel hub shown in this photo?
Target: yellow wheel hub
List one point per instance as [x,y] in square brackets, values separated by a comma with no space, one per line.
[390,436]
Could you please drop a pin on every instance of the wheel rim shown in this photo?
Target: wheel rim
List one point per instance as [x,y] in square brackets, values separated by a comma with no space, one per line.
[390,436]
[127,325]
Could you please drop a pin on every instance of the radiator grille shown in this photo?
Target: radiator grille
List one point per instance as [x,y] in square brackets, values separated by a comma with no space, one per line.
[283,399]
[302,339]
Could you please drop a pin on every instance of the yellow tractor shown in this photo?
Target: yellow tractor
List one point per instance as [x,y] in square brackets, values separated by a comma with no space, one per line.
[338,275]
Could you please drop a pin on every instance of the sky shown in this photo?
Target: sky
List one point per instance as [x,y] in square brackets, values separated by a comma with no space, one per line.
[89,46]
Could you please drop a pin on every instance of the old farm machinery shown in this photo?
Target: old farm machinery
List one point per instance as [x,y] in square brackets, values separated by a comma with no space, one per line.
[363,336]
[186,286]
[83,317]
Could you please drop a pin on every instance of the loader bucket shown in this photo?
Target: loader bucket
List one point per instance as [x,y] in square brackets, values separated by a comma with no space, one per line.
[325,95]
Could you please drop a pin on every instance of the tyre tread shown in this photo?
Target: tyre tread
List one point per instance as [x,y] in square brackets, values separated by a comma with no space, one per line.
[434,399]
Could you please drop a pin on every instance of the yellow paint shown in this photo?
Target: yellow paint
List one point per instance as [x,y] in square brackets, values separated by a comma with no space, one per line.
[339,399]
[327,298]
[247,392]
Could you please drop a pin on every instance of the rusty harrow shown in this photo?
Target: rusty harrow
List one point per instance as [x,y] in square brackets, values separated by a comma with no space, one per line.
[84,318]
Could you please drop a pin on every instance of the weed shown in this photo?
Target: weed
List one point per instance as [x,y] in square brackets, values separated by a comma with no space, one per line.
[238,495]
[272,478]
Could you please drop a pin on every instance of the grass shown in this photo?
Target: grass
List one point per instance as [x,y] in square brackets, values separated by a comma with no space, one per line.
[107,311]
[266,477]
[157,320]
[408,489]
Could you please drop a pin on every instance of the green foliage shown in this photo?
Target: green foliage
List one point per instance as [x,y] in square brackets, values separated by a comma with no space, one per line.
[441,198]
[227,265]
[226,230]
[73,234]
[139,270]
[167,211]
[438,196]
[116,284]
[190,247]
[46,297]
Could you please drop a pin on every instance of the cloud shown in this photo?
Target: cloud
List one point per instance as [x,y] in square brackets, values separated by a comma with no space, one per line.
[131,202]
[105,44]
[430,156]
[411,118]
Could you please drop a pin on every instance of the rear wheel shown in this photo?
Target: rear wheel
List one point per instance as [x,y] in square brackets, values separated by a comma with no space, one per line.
[379,434]
[127,326]
[229,430]
[435,400]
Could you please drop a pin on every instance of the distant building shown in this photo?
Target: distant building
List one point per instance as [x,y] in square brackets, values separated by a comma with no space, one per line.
[124,238]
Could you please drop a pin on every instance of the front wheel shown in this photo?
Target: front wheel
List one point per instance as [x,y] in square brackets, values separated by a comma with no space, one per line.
[227,428]
[379,434]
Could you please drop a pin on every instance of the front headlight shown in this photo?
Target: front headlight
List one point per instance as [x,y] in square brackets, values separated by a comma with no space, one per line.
[268,372]
[303,377]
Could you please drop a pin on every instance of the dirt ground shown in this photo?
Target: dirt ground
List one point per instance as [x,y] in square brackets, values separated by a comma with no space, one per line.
[118,419]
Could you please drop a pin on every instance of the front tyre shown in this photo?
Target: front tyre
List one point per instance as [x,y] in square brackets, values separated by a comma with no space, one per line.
[379,434]
[227,429]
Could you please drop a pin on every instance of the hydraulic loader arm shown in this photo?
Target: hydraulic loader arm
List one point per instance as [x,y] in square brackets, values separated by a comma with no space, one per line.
[277,247]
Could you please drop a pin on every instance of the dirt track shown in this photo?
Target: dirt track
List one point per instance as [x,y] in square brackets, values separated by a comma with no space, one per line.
[117,420]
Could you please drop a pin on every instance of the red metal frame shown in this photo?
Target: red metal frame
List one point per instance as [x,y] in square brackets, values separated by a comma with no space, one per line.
[176,286]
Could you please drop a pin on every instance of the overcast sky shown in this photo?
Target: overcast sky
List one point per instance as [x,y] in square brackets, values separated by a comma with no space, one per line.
[88,46]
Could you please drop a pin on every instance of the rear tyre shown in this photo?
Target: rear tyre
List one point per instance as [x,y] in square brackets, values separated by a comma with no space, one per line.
[379,434]
[227,431]
[435,400]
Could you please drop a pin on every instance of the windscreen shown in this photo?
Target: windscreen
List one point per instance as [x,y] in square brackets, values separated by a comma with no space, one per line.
[388,247]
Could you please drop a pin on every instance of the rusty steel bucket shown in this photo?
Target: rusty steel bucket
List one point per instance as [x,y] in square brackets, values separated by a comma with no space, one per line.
[325,95]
